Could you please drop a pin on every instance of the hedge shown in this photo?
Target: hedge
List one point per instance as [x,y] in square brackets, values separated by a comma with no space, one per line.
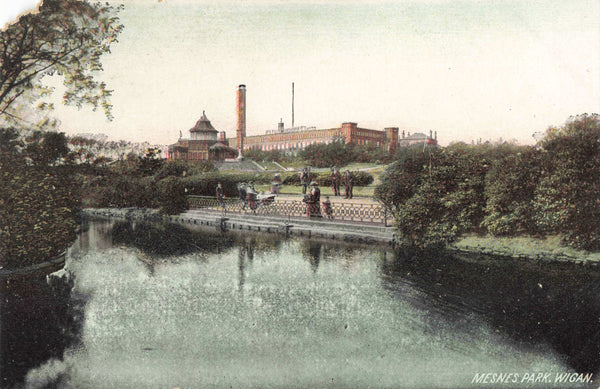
[324,179]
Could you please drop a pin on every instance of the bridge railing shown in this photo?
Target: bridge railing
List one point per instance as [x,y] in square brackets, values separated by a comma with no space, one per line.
[372,213]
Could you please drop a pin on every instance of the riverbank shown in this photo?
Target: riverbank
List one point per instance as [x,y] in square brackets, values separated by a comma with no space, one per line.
[527,248]
[362,233]
[548,249]
[42,268]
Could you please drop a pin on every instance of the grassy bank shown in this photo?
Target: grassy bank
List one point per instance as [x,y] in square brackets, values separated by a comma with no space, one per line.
[549,248]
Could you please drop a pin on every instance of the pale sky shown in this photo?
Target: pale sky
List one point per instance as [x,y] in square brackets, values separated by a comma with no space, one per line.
[467,69]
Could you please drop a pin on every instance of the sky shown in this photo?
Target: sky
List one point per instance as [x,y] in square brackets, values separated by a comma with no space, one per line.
[468,69]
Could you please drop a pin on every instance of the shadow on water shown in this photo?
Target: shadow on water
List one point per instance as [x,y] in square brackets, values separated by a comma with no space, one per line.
[166,239]
[533,303]
[38,322]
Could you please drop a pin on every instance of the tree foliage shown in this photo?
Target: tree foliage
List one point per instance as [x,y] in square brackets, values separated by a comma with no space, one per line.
[438,195]
[339,153]
[566,199]
[46,148]
[37,211]
[510,188]
[67,38]
[445,194]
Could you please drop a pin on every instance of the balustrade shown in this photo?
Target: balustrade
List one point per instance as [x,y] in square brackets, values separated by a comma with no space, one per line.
[372,213]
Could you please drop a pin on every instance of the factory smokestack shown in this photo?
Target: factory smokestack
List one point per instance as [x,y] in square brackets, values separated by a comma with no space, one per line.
[292,105]
[241,122]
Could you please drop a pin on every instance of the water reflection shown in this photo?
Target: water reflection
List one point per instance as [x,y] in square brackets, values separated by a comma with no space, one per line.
[537,304]
[167,240]
[311,250]
[38,321]
[250,310]
[245,258]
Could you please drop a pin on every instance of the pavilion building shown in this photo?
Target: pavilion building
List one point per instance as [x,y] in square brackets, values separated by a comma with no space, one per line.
[204,144]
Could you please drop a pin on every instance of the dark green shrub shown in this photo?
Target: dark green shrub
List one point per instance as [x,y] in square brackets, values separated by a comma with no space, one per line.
[509,191]
[403,177]
[324,178]
[172,169]
[172,198]
[206,184]
[37,212]
[437,195]
[566,199]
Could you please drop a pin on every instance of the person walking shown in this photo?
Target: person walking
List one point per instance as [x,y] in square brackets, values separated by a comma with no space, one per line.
[304,180]
[335,181]
[242,194]
[276,184]
[251,197]
[348,183]
[220,195]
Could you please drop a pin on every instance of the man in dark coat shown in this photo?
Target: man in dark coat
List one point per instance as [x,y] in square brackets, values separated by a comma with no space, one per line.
[348,183]
[335,181]
[304,180]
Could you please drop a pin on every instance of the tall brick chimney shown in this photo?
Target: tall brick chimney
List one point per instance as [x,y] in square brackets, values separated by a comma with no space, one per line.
[241,121]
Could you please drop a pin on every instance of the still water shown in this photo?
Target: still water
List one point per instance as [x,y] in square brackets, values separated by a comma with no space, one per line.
[143,306]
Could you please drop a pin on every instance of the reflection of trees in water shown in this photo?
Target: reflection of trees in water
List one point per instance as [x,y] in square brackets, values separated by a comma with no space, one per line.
[534,303]
[345,255]
[260,243]
[38,322]
[167,239]
[311,250]
[246,246]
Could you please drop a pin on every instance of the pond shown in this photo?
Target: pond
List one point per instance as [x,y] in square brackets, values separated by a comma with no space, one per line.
[162,306]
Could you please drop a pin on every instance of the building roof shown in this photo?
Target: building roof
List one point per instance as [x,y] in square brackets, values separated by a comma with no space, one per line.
[221,146]
[203,125]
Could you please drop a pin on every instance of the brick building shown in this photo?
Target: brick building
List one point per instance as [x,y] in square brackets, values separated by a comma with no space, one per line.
[204,144]
[297,138]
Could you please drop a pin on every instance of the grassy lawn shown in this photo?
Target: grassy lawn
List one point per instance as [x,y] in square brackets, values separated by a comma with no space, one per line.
[359,166]
[524,246]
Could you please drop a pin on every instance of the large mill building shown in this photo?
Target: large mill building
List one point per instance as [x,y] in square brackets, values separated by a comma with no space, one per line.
[204,144]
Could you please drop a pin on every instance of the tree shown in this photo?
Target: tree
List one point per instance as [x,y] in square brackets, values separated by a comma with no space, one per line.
[437,194]
[566,199]
[66,37]
[402,178]
[9,140]
[335,153]
[171,196]
[509,190]
[36,212]
[46,148]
